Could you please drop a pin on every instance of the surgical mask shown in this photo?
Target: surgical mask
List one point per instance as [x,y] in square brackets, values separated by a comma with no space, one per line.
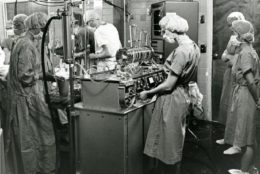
[37,40]
[168,39]
[240,40]
[234,41]
[248,37]
[38,36]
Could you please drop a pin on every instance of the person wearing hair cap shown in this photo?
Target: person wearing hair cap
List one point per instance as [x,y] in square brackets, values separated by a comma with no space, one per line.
[19,30]
[84,42]
[229,57]
[8,43]
[244,30]
[35,24]
[246,74]
[30,119]
[233,16]
[18,24]
[166,133]
[107,42]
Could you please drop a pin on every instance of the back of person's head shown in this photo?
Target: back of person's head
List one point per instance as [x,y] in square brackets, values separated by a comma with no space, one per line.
[92,18]
[91,15]
[233,16]
[174,23]
[36,20]
[18,24]
[244,29]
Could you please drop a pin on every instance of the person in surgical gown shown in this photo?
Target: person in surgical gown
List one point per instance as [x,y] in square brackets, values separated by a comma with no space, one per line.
[30,117]
[19,31]
[245,97]
[166,133]
[229,57]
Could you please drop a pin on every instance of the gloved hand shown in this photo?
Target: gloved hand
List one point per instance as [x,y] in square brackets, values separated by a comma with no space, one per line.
[144,95]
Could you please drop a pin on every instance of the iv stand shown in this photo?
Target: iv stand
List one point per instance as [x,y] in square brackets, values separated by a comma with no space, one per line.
[68,58]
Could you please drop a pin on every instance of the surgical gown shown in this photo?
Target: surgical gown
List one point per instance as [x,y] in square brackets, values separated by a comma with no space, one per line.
[241,124]
[30,117]
[166,133]
[227,89]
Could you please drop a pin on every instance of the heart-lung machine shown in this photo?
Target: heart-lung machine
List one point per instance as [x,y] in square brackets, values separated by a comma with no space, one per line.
[136,71]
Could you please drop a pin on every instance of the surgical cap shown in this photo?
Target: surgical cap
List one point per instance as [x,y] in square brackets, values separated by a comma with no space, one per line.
[36,20]
[235,16]
[245,30]
[90,15]
[174,23]
[18,21]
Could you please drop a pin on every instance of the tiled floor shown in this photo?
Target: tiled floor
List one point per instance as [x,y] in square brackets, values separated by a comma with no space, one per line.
[199,157]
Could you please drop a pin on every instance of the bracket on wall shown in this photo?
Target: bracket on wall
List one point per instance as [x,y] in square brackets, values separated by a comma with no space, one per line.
[202,19]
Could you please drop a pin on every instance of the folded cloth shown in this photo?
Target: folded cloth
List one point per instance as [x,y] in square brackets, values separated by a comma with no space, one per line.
[196,100]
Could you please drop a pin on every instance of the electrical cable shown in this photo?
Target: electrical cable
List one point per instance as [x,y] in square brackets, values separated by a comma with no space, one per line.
[15,7]
[81,67]
[94,80]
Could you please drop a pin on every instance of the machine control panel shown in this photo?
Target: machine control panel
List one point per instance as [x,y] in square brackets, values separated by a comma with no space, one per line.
[149,81]
[129,91]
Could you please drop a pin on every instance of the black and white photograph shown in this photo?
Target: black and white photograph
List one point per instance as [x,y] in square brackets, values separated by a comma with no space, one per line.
[129,86]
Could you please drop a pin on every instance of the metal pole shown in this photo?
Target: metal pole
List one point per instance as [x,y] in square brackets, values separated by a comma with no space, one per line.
[86,64]
[68,58]
[124,25]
